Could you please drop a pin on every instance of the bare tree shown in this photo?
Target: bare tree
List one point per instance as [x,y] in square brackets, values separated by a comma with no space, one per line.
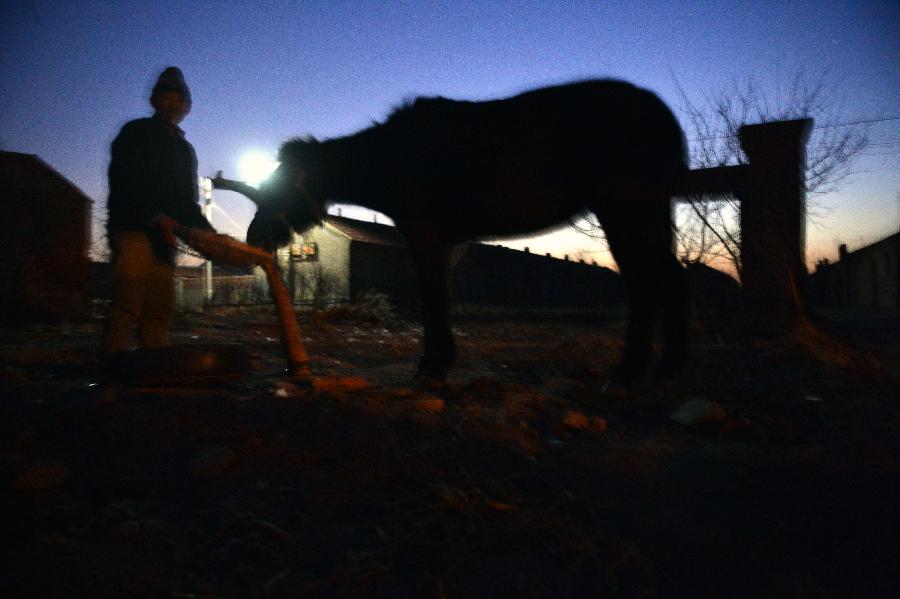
[709,231]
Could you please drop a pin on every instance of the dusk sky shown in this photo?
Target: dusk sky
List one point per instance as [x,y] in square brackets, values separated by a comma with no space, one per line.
[73,72]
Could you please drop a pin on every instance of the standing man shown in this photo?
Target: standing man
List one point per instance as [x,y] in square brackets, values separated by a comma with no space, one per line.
[153,187]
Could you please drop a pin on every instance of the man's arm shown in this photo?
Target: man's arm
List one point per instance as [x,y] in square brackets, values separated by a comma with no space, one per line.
[220,182]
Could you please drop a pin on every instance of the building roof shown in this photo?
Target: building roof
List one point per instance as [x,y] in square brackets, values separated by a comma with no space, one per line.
[886,241]
[28,172]
[366,232]
[889,242]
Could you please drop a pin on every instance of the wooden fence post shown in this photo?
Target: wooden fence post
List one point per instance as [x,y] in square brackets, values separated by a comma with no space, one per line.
[773,222]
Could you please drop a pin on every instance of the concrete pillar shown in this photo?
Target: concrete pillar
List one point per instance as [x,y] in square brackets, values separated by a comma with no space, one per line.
[179,292]
[773,222]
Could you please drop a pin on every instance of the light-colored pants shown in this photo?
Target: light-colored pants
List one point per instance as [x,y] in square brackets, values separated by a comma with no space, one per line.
[143,294]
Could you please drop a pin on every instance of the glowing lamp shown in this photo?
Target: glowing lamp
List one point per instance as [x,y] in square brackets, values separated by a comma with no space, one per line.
[255,167]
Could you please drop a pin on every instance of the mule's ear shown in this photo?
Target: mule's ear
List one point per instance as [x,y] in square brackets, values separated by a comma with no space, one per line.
[280,230]
[304,212]
[258,234]
[269,232]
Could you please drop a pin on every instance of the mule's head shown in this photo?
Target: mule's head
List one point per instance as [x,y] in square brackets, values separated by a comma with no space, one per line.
[291,197]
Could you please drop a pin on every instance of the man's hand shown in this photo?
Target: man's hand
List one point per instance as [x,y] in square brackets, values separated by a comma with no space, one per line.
[218,182]
[167,227]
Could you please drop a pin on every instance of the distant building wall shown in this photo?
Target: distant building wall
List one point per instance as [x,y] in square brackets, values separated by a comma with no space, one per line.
[321,278]
[330,265]
[343,268]
[190,286]
[383,269]
[868,278]
[241,290]
[493,275]
[713,294]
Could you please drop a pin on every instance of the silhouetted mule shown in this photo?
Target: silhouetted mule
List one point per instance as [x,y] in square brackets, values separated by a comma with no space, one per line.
[451,171]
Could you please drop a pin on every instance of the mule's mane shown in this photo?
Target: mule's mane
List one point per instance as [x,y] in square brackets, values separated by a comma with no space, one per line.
[413,107]
[294,148]
[416,107]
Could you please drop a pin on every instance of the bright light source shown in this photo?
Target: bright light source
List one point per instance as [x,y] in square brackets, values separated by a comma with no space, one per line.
[255,166]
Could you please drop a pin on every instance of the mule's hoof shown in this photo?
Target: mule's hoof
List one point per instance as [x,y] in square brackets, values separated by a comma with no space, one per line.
[616,389]
[430,376]
[667,384]
[429,383]
[629,372]
[105,393]
[300,375]
[432,370]
[667,371]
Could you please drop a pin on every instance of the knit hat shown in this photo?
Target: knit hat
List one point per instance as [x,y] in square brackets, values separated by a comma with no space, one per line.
[172,80]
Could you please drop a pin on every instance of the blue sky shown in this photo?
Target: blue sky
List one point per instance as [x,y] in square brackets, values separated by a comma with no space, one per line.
[72,72]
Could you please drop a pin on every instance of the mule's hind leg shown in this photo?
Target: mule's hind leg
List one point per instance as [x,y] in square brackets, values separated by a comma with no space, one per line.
[669,285]
[432,259]
[675,320]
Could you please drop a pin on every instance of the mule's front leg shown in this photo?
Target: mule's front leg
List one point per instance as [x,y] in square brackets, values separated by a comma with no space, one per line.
[432,259]
[637,239]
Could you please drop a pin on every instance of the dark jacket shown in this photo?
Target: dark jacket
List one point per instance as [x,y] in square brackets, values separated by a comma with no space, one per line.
[153,171]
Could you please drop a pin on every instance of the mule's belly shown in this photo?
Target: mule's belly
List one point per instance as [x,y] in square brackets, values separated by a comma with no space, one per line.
[520,208]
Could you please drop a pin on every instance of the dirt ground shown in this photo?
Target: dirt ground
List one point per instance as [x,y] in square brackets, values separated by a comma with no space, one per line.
[518,478]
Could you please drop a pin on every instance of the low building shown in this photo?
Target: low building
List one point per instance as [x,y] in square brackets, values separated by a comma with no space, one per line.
[714,294]
[868,278]
[337,261]
[228,286]
[492,275]
[46,221]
